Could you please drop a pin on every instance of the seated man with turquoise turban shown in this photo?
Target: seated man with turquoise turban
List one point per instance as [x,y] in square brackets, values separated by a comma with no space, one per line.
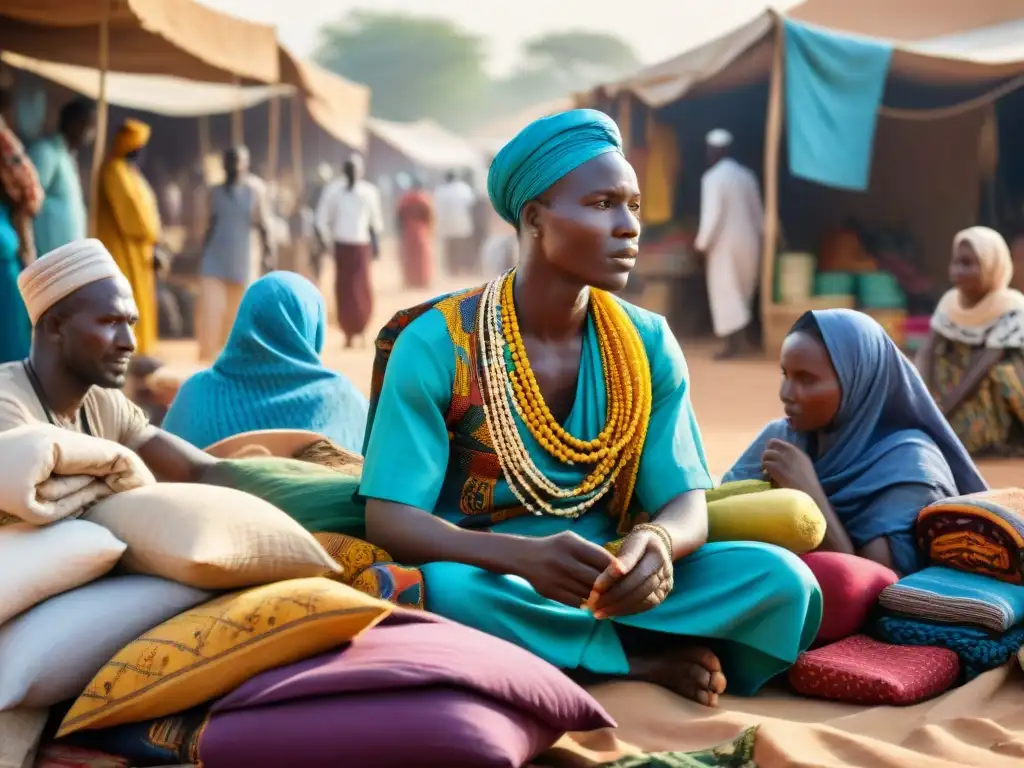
[520,429]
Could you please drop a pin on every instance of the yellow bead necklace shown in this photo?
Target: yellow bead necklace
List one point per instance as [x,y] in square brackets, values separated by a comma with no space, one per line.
[510,387]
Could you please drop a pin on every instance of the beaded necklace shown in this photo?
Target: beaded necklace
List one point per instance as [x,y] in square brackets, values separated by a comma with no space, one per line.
[509,387]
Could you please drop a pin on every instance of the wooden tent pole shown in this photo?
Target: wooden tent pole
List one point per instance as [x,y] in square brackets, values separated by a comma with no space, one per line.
[625,121]
[297,142]
[273,135]
[772,144]
[204,138]
[201,213]
[238,117]
[100,143]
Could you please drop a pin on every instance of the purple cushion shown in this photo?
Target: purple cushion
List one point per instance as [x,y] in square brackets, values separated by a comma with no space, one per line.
[414,690]
[429,727]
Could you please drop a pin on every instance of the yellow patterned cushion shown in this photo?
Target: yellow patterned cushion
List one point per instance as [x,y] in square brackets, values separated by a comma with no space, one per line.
[212,649]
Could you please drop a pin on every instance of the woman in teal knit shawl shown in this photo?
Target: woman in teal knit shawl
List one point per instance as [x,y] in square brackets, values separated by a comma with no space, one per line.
[270,375]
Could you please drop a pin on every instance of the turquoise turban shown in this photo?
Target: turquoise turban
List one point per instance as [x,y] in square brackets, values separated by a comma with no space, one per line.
[545,151]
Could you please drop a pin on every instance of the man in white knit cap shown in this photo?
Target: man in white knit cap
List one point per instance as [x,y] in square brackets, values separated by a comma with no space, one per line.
[82,313]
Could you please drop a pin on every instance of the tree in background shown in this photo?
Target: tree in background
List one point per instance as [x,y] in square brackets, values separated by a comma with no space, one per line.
[560,63]
[580,57]
[417,66]
[421,66]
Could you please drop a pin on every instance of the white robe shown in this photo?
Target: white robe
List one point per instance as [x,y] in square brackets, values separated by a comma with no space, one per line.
[731,229]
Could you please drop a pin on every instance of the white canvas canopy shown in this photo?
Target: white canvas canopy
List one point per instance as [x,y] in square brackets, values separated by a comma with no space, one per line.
[159,94]
[426,143]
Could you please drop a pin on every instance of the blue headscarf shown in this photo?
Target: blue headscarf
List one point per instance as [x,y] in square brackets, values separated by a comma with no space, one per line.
[888,432]
[545,151]
[269,375]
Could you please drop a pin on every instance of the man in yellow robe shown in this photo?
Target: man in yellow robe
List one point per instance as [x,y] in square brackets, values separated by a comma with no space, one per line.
[128,224]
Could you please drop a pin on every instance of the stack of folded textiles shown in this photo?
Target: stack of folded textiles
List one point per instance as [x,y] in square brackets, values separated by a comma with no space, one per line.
[977,617]
[971,599]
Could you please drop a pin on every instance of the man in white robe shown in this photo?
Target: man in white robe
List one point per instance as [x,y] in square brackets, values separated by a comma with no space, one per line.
[731,229]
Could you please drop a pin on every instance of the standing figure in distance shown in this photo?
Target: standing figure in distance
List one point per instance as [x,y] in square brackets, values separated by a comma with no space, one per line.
[239,214]
[349,215]
[730,233]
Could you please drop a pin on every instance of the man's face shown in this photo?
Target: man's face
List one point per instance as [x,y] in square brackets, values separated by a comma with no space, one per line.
[95,332]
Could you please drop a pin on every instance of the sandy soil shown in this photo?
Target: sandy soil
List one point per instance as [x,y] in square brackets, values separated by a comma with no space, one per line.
[732,400]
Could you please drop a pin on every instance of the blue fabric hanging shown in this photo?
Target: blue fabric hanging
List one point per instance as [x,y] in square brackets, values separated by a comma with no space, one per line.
[834,88]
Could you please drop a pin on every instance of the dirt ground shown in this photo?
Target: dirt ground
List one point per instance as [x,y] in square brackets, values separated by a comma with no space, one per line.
[732,400]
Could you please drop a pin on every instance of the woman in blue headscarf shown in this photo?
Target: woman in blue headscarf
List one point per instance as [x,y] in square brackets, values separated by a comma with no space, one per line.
[518,429]
[862,437]
[269,375]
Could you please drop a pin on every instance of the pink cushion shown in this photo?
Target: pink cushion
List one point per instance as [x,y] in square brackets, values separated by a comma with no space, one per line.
[859,670]
[850,587]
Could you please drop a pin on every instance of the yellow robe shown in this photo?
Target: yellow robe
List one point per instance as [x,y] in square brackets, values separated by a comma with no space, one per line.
[128,223]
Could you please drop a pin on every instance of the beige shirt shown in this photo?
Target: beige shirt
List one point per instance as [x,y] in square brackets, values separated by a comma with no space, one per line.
[111,415]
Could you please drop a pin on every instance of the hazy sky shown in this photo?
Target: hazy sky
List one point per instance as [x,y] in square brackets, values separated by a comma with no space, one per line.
[657,29]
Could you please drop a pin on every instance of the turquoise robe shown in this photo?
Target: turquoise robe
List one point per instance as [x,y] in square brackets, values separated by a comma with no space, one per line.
[759,605]
[16,328]
[63,217]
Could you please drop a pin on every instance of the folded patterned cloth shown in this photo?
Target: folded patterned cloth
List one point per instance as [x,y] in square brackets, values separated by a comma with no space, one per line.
[978,533]
[51,473]
[955,597]
[979,650]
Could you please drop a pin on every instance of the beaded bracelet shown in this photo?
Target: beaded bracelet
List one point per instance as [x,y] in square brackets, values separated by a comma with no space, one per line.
[661,532]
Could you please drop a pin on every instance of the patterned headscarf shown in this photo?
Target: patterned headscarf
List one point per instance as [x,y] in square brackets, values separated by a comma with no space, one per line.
[971,324]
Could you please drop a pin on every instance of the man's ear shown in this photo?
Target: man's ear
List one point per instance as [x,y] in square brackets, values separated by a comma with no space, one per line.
[51,324]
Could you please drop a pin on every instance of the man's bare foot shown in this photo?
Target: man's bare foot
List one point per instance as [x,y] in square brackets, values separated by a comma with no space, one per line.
[693,672]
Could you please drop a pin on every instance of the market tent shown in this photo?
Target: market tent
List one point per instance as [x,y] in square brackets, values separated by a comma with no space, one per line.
[906,19]
[160,94]
[155,37]
[938,103]
[743,55]
[339,106]
[426,144]
[698,66]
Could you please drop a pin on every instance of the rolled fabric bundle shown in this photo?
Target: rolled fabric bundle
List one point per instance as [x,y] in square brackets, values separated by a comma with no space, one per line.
[52,473]
[979,533]
[780,516]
